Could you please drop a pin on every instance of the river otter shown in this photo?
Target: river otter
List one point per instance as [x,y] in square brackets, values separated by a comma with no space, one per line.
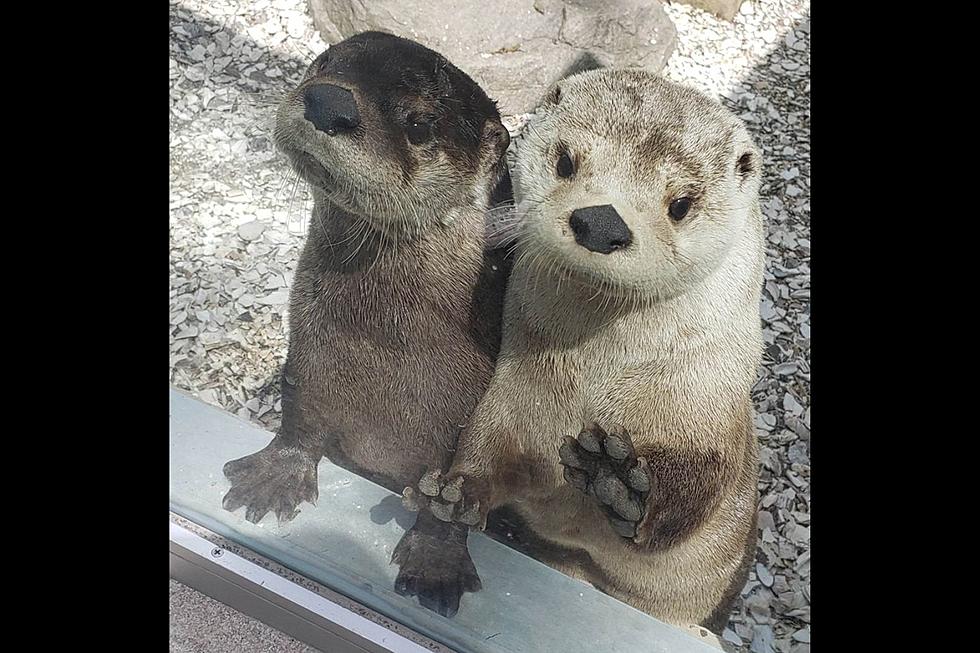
[394,322]
[619,419]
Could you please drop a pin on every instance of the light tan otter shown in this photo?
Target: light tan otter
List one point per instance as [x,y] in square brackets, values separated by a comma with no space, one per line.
[632,321]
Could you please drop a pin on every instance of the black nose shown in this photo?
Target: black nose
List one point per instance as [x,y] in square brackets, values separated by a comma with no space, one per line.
[330,108]
[600,229]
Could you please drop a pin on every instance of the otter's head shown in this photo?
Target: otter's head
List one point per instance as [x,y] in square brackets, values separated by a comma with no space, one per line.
[392,132]
[632,184]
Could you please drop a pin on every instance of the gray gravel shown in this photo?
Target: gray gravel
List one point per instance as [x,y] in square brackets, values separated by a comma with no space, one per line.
[760,68]
[238,217]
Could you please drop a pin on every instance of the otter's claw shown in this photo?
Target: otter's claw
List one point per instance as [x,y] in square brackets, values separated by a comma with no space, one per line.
[445,499]
[275,479]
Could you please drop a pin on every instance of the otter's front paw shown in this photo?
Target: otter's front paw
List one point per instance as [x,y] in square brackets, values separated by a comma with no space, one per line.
[276,479]
[435,570]
[605,466]
[455,499]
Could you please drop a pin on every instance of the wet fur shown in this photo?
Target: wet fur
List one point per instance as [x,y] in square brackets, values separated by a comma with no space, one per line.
[395,308]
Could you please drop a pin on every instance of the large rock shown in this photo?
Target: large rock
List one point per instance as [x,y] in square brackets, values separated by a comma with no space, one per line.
[514,49]
[722,8]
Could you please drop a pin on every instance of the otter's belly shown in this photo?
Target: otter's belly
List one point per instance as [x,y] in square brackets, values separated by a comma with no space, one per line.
[391,415]
[692,578]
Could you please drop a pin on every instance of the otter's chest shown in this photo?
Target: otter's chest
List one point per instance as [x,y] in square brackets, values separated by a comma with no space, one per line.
[554,395]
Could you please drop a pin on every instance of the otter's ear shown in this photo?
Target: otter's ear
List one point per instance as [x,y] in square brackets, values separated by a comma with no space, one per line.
[554,95]
[748,161]
[495,135]
[443,81]
[746,165]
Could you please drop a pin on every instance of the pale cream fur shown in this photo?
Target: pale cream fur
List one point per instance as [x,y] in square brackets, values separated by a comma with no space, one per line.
[662,338]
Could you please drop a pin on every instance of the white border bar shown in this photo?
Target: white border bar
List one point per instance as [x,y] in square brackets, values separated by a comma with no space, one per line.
[275,600]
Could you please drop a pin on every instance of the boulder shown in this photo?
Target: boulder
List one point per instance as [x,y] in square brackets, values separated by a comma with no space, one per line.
[515,49]
[722,8]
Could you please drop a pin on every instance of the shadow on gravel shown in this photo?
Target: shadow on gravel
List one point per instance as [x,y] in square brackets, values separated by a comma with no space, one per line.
[256,93]
[200,30]
[788,126]
[762,80]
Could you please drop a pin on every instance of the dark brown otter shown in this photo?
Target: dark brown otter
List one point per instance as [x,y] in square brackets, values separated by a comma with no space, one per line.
[396,305]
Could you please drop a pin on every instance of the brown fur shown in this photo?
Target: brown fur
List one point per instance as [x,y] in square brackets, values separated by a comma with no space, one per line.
[390,362]
[394,322]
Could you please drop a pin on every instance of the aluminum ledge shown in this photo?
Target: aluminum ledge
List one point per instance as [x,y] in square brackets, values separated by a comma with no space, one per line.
[277,601]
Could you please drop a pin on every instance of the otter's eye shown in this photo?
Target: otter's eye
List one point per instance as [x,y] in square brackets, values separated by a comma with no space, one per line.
[419,132]
[565,166]
[679,208]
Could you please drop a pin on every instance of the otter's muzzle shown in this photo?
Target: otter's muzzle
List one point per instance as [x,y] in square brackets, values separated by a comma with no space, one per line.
[331,109]
[600,229]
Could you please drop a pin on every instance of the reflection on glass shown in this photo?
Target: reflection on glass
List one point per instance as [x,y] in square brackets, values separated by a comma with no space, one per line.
[346,542]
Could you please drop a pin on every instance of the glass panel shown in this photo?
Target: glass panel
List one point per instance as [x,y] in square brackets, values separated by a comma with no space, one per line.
[346,542]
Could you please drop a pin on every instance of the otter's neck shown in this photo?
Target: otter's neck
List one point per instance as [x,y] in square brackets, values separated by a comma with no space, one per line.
[340,240]
[358,266]
[347,242]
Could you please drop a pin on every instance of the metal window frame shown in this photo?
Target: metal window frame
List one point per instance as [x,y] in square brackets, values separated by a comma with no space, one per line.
[277,601]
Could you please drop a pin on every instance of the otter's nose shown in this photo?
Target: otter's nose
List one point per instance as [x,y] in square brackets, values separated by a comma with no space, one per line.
[330,108]
[600,229]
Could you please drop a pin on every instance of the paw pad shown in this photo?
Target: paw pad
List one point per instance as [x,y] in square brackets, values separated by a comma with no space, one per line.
[605,466]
